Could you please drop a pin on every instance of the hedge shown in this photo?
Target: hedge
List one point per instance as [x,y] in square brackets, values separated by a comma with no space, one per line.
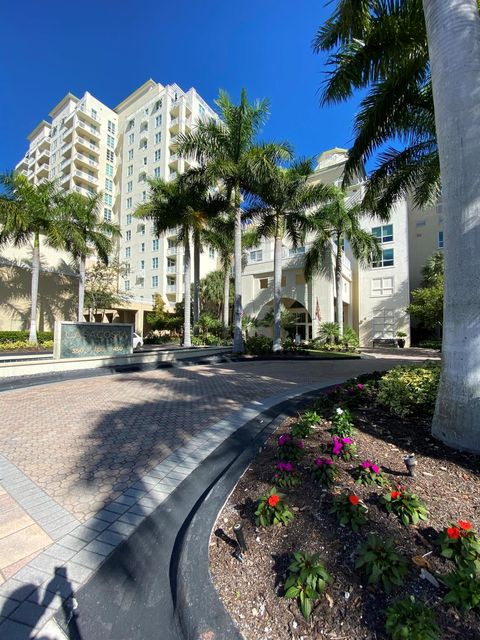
[22,336]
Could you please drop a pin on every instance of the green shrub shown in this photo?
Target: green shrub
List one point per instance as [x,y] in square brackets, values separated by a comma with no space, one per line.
[349,339]
[14,346]
[381,563]
[460,543]
[272,509]
[431,344]
[405,505]
[410,390]
[342,425]
[22,336]
[411,620]
[464,587]
[324,471]
[350,510]
[258,345]
[307,580]
[285,476]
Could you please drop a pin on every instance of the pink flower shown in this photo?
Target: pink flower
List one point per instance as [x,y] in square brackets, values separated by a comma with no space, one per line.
[337,446]
[375,468]
[347,441]
[285,466]
[327,461]
[286,437]
[319,462]
[360,386]
[366,464]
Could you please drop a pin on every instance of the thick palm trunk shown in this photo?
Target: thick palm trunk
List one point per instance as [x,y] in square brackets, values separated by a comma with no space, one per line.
[34,293]
[187,281]
[81,289]
[339,285]
[238,313]
[226,294]
[453,29]
[196,277]
[277,289]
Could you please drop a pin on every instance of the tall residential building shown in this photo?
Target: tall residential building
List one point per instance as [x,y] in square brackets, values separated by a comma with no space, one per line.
[89,147]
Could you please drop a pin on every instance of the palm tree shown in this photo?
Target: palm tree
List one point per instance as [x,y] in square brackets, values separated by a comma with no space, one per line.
[453,29]
[182,204]
[27,213]
[82,232]
[227,148]
[381,46]
[332,224]
[280,213]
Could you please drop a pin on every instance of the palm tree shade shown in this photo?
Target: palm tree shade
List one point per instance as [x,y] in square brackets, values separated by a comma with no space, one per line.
[453,29]
[82,231]
[228,150]
[333,223]
[27,214]
[280,211]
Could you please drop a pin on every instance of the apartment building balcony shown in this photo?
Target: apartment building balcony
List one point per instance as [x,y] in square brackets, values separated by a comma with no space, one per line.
[84,127]
[22,165]
[174,141]
[43,143]
[174,251]
[171,288]
[87,113]
[172,176]
[43,155]
[172,268]
[85,192]
[174,125]
[83,160]
[42,171]
[66,149]
[84,144]
[31,160]
[23,172]
[174,160]
[65,179]
[67,134]
[82,175]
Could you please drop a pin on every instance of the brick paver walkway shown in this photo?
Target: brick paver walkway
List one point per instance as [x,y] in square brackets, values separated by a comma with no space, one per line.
[70,448]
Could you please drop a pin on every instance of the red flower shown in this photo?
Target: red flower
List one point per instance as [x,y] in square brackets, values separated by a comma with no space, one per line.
[354,500]
[453,533]
[394,494]
[463,524]
[272,500]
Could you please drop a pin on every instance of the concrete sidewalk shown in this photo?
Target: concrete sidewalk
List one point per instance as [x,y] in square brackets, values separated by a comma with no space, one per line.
[84,462]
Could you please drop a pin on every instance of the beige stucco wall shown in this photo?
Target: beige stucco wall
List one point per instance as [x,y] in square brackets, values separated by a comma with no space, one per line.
[424,227]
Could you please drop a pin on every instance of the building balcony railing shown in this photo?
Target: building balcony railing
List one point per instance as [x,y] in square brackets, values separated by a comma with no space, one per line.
[91,130]
[88,113]
[85,143]
[171,288]
[86,176]
[86,160]
[172,269]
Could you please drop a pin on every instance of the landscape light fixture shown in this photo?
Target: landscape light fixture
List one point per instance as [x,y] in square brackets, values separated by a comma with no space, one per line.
[410,463]
[240,536]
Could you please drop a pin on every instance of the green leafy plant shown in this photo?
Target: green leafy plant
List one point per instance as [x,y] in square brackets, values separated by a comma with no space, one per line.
[258,345]
[409,619]
[342,425]
[324,471]
[349,339]
[406,505]
[368,473]
[285,476]
[272,509]
[301,429]
[408,390]
[464,586]
[290,448]
[381,563]
[307,580]
[344,448]
[350,510]
[459,542]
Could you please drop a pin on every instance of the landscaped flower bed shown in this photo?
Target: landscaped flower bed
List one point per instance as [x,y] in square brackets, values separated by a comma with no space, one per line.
[366,535]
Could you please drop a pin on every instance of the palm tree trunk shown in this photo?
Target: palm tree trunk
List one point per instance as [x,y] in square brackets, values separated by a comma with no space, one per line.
[238,313]
[34,293]
[187,278]
[226,293]
[453,30]
[277,288]
[196,277]
[339,285]
[81,289]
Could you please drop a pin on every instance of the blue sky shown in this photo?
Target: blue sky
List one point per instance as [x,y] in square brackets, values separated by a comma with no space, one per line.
[110,47]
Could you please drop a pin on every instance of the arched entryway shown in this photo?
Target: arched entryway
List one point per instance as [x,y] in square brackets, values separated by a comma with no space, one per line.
[302,325]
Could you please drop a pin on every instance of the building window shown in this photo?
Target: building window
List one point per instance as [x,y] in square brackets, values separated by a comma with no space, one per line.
[111,127]
[127,267]
[128,236]
[211,252]
[157,155]
[94,114]
[129,203]
[144,196]
[145,161]
[155,244]
[127,285]
[158,121]
[129,218]
[386,260]
[157,105]
[130,154]
[129,186]
[141,230]
[130,170]
[154,263]
[107,215]
[158,137]
[156,172]
[128,252]
[383,233]
[296,251]
[108,184]
[382,287]
[440,239]
[131,138]
[256,256]
[421,223]
[263,283]
[142,265]
[109,155]
[111,142]
[154,282]
[201,110]
[107,199]
[384,324]
[142,247]
[109,170]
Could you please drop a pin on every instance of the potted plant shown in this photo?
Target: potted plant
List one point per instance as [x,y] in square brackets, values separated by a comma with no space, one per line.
[401,339]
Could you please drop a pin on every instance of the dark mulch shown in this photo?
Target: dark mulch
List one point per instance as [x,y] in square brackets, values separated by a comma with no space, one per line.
[447,481]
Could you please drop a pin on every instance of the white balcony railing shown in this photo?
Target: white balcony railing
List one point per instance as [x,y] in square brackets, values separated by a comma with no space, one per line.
[171,288]
[172,269]
[86,176]
[86,159]
[86,143]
